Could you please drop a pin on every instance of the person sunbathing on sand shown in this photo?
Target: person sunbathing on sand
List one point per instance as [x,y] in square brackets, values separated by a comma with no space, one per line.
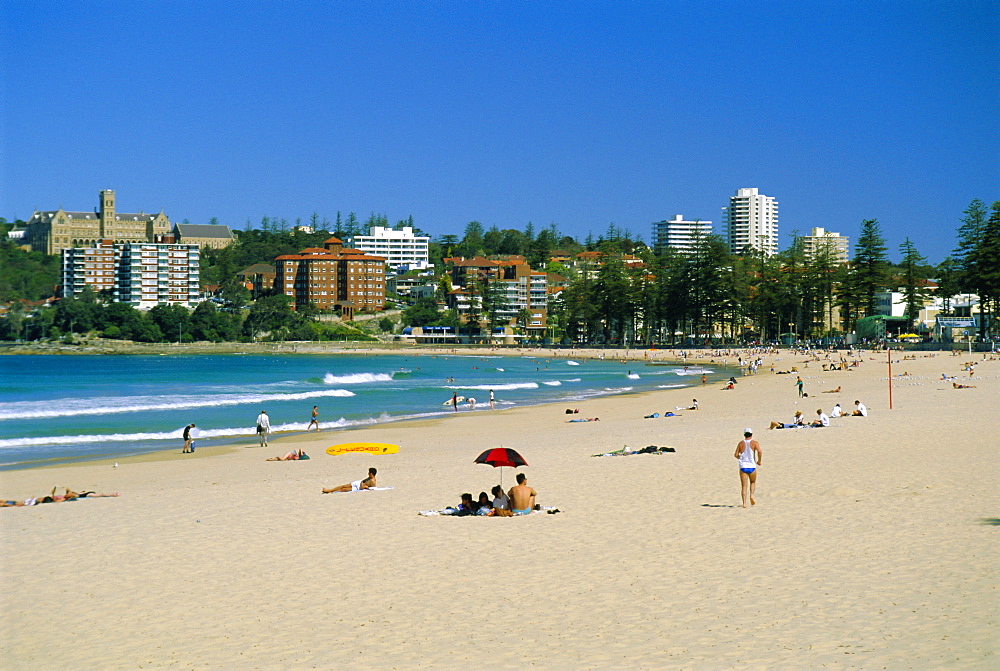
[52,497]
[357,485]
[963,386]
[294,455]
[832,391]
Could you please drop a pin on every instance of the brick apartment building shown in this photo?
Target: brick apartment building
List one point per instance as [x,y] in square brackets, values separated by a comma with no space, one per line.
[332,277]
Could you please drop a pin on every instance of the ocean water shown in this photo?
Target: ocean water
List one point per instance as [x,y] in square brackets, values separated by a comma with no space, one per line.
[69,408]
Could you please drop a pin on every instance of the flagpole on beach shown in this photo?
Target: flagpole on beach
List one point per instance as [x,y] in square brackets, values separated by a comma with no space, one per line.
[889,350]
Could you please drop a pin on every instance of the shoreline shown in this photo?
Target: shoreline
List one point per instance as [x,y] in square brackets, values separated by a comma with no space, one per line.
[295,437]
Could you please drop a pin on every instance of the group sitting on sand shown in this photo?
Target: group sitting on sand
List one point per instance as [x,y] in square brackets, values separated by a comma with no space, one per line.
[520,500]
[822,419]
[797,421]
[52,497]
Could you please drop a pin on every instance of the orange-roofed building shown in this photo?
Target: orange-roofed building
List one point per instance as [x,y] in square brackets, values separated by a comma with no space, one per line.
[332,277]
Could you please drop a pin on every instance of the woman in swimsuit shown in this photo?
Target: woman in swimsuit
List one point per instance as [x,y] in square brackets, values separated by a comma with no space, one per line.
[748,453]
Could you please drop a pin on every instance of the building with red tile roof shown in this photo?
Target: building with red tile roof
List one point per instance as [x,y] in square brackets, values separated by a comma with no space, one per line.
[332,277]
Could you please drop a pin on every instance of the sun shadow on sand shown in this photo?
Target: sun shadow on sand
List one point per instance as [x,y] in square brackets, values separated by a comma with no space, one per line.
[717,505]
[990,521]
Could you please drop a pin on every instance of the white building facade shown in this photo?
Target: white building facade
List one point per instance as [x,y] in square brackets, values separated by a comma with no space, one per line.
[141,274]
[401,249]
[837,245]
[751,220]
[678,233]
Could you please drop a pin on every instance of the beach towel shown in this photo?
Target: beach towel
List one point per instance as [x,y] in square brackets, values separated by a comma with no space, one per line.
[454,512]
[625,452]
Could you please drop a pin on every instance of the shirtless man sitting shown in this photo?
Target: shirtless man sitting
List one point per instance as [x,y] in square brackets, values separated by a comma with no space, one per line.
[522,497]
[355,486]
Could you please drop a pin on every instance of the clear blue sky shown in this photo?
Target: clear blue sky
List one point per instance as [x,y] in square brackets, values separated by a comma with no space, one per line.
[578,113]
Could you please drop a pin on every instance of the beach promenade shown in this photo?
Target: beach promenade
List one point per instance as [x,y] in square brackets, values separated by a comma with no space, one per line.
[873,543]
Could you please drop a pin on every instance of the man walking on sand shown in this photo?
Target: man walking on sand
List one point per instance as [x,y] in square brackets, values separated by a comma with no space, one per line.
[263,427]
[522,497]
[314,421]
[748,453]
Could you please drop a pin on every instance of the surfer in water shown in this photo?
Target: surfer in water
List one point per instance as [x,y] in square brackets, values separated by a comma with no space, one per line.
[355,486]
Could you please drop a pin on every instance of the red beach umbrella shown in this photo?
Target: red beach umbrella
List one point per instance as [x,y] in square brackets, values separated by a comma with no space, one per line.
[501,456]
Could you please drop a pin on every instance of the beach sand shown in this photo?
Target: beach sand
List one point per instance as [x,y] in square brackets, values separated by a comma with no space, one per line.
[873,543]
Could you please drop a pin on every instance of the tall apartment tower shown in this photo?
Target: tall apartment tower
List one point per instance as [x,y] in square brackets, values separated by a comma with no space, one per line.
[751,220]
[142,274]
[678,233]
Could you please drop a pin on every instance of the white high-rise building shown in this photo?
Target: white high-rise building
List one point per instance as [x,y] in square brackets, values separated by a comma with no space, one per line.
[402,250]
[678,233]
[751,220]
[821,239]
[139,273]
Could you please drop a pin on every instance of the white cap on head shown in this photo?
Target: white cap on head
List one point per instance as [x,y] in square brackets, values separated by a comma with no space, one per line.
[748,430]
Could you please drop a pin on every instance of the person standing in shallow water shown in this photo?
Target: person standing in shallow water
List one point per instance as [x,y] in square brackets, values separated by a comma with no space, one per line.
[748,453]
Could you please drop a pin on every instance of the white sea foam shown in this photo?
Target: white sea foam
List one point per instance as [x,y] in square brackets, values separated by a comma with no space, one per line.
[670,386]
[177,434]
[119,404]
[691,371]
[356,378]
[496,387]
[633,376]
[575,379]
[572,363]
[552,383]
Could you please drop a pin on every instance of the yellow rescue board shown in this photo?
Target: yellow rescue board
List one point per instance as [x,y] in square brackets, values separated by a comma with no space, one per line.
[363,448]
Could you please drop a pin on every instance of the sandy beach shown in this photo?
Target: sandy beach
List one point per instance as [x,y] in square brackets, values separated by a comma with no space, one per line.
[873,543]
